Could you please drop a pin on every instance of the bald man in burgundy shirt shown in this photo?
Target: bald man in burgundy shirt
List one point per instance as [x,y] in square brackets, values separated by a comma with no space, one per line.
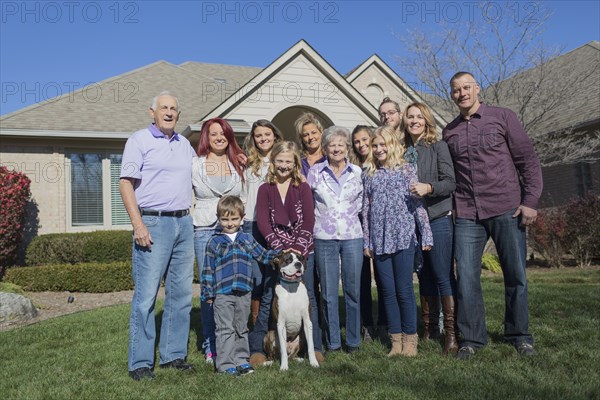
[498,186]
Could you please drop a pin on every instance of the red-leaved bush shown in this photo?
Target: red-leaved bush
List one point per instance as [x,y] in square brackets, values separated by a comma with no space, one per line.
[14,193]
[573,229]
[547,235]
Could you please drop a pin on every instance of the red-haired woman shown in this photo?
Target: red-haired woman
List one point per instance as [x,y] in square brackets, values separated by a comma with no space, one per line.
[216,172]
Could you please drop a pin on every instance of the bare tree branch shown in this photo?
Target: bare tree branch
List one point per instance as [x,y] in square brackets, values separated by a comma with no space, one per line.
[514,68]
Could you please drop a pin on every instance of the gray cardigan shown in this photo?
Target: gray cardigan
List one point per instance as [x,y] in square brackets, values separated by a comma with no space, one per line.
[434,165]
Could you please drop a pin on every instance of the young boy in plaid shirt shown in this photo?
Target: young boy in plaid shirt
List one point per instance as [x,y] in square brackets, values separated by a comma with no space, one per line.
[227,283]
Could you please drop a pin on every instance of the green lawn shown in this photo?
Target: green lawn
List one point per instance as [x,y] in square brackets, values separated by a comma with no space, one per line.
[84,356]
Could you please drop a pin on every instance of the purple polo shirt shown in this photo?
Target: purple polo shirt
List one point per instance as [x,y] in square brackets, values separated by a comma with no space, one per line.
[162,168]
[490,151]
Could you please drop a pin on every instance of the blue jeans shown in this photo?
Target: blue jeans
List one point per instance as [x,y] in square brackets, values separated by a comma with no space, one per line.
[437,275]
[509,238]
[396,274]
[251,227]
[261,327]
[207,318]
[328,254]
[172,253]
[366,298]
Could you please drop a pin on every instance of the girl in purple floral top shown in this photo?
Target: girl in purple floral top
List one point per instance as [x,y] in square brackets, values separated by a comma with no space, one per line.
[389,213]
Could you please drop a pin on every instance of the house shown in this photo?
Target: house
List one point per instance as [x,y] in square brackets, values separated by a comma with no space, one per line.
[560,97]
[70,146]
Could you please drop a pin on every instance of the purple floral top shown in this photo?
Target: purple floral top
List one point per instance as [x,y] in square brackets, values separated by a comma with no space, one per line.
[337,202]
[389,211]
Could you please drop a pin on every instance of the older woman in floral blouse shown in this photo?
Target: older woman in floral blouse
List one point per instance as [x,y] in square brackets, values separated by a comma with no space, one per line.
[337,189]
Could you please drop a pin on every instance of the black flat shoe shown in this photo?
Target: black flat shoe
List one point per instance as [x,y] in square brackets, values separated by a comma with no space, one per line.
[179,364]
[141,373]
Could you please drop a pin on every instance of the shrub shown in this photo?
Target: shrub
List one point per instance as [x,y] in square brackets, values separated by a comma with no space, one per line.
[491,263]
[547,235]
[74,248]
[582,233]
[8,287]
[14,193]
[90,277]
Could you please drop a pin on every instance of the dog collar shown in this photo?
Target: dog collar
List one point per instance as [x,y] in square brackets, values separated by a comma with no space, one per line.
[290,286]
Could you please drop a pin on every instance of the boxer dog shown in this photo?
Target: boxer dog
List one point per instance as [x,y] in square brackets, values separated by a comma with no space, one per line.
[291,311]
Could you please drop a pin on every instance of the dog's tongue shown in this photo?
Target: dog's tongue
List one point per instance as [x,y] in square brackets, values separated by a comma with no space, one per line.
[298,274]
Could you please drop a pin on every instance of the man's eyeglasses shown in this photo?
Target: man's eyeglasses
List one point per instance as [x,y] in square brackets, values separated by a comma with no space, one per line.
[388,114]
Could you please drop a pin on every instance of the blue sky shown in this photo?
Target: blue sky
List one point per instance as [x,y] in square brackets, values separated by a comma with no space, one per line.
[51,47]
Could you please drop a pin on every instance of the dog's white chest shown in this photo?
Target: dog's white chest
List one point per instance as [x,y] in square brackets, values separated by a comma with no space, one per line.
[292,307]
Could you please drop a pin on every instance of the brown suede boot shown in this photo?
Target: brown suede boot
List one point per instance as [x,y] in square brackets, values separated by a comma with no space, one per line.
[409,344]
[257,359]
[254,306]
[430,312]
[396,340]
[320,358]
[450,329]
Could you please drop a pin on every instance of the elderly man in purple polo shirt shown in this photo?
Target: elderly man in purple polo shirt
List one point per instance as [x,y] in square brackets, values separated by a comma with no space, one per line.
[498,185]
[156,187]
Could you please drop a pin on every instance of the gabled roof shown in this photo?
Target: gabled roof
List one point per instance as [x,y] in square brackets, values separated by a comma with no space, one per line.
[375,61]
[572,83]
[120,104]
[300,49]
[229,74]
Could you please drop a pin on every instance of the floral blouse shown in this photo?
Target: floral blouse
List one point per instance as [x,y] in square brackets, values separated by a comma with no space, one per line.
[337,202]
[390,211]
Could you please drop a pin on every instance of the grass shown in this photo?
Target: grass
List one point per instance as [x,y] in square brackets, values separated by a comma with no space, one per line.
[84,356]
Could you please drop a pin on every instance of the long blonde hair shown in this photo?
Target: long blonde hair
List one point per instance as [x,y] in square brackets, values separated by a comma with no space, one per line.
[255,159]
[285,147]
[429,135]
[395,151]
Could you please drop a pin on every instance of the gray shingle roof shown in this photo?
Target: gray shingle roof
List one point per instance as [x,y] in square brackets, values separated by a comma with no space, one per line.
[572,89]
[120,104]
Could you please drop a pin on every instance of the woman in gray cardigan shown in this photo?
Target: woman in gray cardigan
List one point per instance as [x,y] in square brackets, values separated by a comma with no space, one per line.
[436,185]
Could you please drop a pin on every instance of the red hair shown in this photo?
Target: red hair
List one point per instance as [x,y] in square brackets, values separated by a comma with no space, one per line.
[233,149]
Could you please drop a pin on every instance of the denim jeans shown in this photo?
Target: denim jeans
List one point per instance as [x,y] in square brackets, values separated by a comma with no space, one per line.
[251,227]
[261,327]
[207,318]
[381,317]
[172,256]
[366,298]
[509,238]
[396,274]
[327,258]
[437,275]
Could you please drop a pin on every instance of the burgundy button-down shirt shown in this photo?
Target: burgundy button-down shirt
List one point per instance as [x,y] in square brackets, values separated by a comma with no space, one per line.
[490,152]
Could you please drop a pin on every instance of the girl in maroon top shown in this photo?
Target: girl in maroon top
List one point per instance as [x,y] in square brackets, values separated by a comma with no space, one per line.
[286,217]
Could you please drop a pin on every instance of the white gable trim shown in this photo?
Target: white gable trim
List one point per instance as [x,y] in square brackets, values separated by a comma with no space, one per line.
[376,62]
[300,48]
